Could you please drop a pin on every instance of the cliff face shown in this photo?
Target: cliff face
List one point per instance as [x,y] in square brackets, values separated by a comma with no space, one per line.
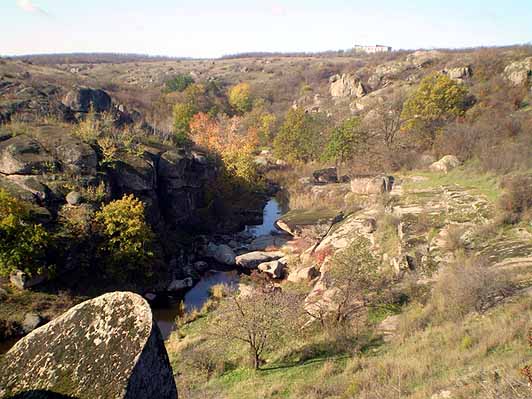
[107,347]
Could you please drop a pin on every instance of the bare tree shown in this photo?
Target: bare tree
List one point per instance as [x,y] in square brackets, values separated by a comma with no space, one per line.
[260,320]
[354,283]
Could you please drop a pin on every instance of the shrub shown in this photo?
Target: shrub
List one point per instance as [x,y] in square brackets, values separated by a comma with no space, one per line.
[438,99]
[127,237]
[516,202]
[179,83]
[183,114]
[22,243]
[240,97]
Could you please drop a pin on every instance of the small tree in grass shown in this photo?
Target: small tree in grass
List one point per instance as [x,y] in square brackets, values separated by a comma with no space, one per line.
[240,97]
[260,320]
[179,83]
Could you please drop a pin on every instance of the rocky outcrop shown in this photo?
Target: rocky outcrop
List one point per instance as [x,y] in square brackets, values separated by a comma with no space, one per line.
[346,85]
[519,72]
[107,347]
[85,99]
[422,58]
[274,268]
[22,155]
[459,74]
[371,184]
[325,176]
[221,253]
[304,274]
[447,163]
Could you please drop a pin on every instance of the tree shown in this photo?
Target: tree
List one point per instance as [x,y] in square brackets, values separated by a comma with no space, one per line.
[179,83]
[240,97]
[346,141]
[437,100]
[127,237]
[183,113]
[22,243]
[299,137]
[354,284]
[259,320]
[385,120]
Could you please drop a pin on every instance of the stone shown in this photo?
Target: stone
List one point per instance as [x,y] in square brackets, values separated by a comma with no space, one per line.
[3,294]
[150,296]
[23,281]
[304,274]
[274,268]
[85,99]
[519,72]
[371,184]
[221,253]
[369,225]
[31,322]
[445,164]
[459,74]
[423,58]
[178,285]
[252,260]
[346,85]
[78,157]
[73,198]
[389,326]
[267,241]
[325,176]
[24,156]
[107,347]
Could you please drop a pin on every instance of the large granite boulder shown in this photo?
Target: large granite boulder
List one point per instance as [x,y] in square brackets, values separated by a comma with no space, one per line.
[84,99]
[221,253]
[346,85]
[107,347]
[252,260]
[371,184]
[23,155]
[447,163]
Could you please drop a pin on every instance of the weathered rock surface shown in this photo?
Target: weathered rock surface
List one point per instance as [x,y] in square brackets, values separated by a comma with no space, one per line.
[31,322]
[424,58]
[325,176]
[267,241]
[459,73]
[107,347]
[253,259]
[447,163]
[312,223]
[178,285]
[304,274]
[346,85]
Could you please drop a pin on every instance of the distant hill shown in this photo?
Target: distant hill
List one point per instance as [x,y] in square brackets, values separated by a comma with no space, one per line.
[92,58]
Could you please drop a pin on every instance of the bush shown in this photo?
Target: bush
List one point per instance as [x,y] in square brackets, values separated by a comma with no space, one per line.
[22,243]
[127,237]
[179,83]
[516,202]
[240,97]
[183,114]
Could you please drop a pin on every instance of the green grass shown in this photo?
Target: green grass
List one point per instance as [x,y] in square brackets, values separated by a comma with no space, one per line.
[464,177]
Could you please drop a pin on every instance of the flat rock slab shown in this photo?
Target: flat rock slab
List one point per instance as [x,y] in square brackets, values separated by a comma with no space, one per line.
[107,347]
[252,260]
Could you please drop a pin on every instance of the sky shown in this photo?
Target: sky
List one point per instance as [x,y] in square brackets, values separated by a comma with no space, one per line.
[212,28]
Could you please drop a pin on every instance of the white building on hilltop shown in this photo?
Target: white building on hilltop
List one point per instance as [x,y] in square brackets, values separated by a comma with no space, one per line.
[372,49]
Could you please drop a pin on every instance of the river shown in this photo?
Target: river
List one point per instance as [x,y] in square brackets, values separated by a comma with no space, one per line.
[199,294]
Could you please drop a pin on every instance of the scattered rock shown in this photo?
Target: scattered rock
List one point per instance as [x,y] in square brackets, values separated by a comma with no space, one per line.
[31,322]
[253,259]
[178,285]
[85,99]
[221,253]
[23,281]
[424,58]
[372,184]
[519,72]
[274,268]
[346,85]
[447,163]
[107,347]
[304,274]
[325,176]
[24,156]
[388,327]
[267,241]
[459,74]
[73,198]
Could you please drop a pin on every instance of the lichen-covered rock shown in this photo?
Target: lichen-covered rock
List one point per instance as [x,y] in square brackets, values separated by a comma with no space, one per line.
[445,164]
[371,184]
[251,260]
[107,347]
[519,72]
[85,99]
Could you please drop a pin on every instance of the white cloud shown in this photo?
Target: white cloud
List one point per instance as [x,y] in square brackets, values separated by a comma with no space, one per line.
[278,10]
[28,6]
